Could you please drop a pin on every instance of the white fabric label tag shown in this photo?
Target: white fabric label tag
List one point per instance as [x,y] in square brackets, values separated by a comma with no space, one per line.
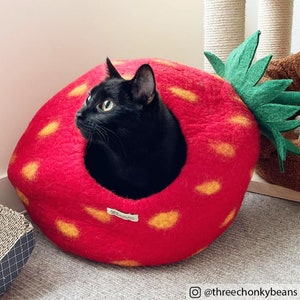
[121,215]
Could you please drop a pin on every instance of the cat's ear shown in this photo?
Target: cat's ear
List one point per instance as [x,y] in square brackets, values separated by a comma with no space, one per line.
[111,70]
[143,84]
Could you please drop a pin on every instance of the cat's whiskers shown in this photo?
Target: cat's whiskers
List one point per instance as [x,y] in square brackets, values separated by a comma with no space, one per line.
[88,129]
[108,135]
[102,134]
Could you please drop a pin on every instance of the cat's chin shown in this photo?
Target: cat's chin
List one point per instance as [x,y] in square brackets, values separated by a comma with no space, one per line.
[86,134]
[89,139]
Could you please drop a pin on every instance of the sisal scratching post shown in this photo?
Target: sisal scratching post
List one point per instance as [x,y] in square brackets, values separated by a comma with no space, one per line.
[224,27]
[275,23]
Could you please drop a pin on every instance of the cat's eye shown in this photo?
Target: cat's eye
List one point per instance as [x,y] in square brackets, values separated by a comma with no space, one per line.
[106,105]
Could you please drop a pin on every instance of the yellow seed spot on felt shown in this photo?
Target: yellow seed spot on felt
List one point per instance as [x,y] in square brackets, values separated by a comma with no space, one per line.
[126,263]
[23,198]
[165,62]
[164,220]
[229,218]
[29,171]
[209,187]
[183,94]
[67,229]
[78,91]
[49,129]
[224,149]
[100,215]
[240,120]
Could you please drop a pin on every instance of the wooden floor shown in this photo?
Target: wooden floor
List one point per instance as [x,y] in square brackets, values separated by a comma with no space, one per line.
[258,185]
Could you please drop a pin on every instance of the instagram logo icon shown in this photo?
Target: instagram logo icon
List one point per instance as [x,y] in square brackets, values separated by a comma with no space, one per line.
[194,292]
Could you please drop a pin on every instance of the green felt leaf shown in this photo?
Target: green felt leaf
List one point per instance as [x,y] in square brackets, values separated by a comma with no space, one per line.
[280,162]
[216,63]
[288,97]
[257,70]
[282,144]
[265,92]
[276,112]
[292,147]
[269,101]
[286,125]
[278,140]
[240,59]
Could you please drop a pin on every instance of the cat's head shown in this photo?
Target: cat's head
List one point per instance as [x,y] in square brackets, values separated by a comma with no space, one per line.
[117,106]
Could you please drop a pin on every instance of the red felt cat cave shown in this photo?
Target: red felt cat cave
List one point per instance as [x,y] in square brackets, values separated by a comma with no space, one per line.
[222,136]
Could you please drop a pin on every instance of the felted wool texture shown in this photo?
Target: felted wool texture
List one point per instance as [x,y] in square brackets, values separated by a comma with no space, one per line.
[70,207]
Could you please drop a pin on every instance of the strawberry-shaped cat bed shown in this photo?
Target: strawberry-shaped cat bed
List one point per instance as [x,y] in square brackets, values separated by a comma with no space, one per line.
[219,115]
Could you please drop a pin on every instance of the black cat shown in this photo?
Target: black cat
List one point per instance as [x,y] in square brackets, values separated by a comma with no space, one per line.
[134,143]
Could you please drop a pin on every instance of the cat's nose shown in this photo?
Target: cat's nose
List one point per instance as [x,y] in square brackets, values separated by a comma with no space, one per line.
[78,118]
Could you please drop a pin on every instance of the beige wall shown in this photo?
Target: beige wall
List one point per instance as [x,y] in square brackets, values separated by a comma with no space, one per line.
[45,44]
